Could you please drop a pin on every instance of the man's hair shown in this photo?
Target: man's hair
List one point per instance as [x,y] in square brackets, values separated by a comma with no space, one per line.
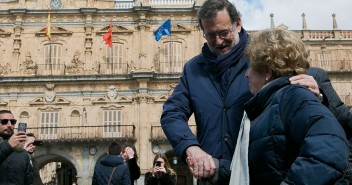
[30,135]
[210,8]
[5,112]
[114,149]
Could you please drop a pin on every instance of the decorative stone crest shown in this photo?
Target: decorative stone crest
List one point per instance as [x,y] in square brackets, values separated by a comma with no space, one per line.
[112,93]
[50,94]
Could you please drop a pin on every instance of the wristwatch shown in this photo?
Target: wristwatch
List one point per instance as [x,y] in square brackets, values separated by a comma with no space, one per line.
[55,4]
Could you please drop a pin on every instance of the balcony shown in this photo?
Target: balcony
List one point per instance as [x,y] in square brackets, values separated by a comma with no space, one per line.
[171,2]
[171,67]
[83,133]
[157,133]
[50,69]
[113,68]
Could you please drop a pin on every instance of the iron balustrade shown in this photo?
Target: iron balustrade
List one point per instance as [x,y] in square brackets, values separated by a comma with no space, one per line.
[83,132]
[50,69]
[157,133]
[113,68]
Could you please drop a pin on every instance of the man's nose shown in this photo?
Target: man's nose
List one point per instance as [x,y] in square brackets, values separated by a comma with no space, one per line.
[218,40]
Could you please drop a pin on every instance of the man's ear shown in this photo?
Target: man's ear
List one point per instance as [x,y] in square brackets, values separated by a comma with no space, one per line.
[238,25]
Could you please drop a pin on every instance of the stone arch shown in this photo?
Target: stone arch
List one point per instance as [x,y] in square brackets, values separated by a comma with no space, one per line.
[67,160]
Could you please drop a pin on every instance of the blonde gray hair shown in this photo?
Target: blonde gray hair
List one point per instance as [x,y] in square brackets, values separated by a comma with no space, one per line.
[280,50]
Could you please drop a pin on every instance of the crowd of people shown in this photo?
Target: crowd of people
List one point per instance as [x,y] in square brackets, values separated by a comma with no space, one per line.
[263,116]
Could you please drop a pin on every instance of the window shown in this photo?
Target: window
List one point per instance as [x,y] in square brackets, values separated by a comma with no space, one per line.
[324,59]
[112,123]
[114,59]
[49,122]
[75,122]
[24,117]
[52,58]
[172,58]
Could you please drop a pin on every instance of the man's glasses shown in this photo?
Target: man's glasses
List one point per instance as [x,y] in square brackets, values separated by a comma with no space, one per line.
[222,34]
[5,121]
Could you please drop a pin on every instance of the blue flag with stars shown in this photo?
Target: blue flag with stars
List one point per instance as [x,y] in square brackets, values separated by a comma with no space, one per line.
[164,29]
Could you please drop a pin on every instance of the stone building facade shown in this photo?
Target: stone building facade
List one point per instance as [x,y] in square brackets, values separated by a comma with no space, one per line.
[77,94]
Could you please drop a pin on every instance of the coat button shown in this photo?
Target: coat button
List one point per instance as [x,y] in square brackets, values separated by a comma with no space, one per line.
[226,108]
[226,138]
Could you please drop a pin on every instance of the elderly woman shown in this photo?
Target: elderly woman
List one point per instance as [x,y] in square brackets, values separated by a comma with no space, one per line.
[293,138]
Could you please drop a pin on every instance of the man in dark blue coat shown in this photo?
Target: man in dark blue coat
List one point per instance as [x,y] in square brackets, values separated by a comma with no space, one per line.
[112,169]
[214,88]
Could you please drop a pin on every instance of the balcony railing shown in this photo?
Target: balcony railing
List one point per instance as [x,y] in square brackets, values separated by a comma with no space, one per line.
[334,65]
[50,69]
[171,2]
[123,5]
[171,67]
[113,68]
[82,133]
[157,133]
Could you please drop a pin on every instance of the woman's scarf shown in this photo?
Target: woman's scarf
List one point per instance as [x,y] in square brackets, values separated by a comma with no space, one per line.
[221,63]
[239,164]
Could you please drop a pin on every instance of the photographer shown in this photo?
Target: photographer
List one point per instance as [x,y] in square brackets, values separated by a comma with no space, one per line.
[14,161]
[30,147]
[161,173]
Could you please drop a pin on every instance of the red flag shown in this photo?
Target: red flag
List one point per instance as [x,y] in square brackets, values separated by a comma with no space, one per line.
[108,36]
[47,28]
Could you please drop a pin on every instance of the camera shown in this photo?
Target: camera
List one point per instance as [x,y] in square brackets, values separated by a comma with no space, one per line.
[158,163]
[22,127]
[38,143]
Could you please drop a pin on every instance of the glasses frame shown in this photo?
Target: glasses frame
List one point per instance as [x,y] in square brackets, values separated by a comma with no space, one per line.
[223,34]
[6,121]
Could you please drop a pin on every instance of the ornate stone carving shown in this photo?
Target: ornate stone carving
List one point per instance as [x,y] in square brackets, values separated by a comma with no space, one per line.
[112,93]
[50,94]
[28,66]
[5,69]
[131,66]
[96,67]
[76,65]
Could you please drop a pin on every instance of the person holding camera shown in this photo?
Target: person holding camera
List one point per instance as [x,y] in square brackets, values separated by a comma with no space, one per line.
[130,156]
[15,167]
[161,173]
[30,146]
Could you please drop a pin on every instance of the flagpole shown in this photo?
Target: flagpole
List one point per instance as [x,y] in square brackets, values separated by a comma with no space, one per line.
[171,48]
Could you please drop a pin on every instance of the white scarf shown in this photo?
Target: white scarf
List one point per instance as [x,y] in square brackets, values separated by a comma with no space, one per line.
[239,164]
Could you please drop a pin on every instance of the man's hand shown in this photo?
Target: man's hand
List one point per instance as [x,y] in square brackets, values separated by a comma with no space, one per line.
[17,138]
[200,163]
[307,81]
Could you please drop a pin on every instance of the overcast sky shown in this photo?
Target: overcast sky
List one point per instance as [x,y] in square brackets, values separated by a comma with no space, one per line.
[256,13]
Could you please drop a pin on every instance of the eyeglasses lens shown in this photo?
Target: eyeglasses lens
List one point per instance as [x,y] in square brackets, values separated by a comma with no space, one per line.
[5,121]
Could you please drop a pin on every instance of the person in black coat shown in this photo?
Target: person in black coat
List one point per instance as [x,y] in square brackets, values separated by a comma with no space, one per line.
[30,147]
[112,170]
[332,100]
[130,156]
[292,135]
[161,173]
[15,167]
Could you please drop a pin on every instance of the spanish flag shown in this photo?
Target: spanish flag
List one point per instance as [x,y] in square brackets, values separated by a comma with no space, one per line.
[47,28]
[108,36]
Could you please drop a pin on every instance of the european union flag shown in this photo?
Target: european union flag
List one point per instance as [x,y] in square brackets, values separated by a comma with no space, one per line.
[164,29]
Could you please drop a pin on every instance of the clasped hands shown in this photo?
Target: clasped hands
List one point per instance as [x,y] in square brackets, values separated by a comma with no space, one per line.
[200,163]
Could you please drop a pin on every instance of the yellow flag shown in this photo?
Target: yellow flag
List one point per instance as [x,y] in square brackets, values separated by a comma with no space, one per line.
[47,28]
